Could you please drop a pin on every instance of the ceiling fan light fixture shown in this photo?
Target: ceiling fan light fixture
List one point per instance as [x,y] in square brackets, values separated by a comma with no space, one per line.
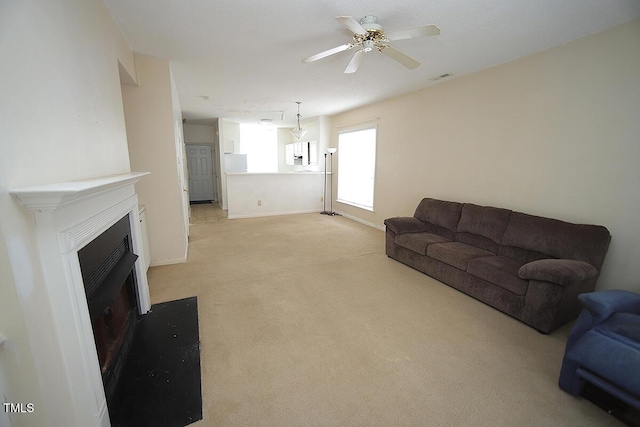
[298,132]
[367,45]
[370,23]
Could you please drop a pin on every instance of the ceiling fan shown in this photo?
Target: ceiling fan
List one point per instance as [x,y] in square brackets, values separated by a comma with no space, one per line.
[368,35]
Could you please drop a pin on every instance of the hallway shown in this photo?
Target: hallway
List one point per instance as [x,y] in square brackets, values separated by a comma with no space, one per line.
[206,212]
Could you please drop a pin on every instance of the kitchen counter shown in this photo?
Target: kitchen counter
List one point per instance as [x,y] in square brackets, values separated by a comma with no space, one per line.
[274,193]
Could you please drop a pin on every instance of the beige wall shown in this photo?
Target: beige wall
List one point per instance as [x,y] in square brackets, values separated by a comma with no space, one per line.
[217,158]
[61,118]
[228,131]
[553,134]
[17,367]
[181,158]
[153,147]
[199,134]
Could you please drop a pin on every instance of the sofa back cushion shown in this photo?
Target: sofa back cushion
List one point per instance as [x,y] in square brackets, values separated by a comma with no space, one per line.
[558,239]
[482,226]
[441,217]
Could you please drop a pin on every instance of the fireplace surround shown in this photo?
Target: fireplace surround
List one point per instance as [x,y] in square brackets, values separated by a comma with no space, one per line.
[68,216]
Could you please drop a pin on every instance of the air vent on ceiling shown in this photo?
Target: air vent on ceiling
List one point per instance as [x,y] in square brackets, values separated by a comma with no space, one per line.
[442,76]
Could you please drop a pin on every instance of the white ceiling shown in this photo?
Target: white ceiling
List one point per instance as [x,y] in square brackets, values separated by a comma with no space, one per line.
[246,55]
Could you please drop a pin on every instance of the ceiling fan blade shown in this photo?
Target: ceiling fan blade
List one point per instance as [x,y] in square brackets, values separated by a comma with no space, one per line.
[329,52]
[402,58]
[355,62]
[351,24]
[410,33]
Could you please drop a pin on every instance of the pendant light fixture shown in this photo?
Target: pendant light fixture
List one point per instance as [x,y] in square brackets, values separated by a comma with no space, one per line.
[298,132]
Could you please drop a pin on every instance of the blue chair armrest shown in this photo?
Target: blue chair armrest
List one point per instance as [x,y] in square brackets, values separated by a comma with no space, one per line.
[598,307]
[603,304]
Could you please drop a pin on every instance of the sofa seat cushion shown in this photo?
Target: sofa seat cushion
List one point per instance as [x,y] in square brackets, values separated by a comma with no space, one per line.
[418,242]
[500,271]
[455,254]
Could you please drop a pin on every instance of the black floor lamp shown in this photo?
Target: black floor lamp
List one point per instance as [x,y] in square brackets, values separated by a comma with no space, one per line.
[331,150]
[324,188]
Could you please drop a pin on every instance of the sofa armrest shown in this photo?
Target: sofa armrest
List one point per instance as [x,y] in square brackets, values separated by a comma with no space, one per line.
[405,224]
[563,272]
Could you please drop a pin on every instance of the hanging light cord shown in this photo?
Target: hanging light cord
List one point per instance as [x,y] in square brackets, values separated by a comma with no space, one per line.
[298,115]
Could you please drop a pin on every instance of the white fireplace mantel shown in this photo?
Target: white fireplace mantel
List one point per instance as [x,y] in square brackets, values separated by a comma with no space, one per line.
[56,195]
[67,217]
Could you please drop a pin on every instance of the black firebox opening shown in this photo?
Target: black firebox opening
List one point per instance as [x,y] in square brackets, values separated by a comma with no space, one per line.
[107,265]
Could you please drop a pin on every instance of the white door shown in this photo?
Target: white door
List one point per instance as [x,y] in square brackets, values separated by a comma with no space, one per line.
[200,173]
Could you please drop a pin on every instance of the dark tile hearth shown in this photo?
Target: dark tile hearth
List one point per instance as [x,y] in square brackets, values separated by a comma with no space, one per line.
[161,383]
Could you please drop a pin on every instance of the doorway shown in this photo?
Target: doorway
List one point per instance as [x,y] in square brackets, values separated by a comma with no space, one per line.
[201,173]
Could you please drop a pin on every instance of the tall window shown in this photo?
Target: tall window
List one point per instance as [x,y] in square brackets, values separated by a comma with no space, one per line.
[357,167]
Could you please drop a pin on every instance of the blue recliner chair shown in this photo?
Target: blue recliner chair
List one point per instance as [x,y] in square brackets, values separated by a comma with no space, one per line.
[603,347]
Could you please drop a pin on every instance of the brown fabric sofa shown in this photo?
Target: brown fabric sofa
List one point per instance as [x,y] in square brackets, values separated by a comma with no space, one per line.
[531,268]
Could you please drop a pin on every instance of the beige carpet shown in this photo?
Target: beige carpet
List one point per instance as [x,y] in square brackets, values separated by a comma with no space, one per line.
[304,321]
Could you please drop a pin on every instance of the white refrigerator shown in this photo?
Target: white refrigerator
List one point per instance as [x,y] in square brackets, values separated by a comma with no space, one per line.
[234,163]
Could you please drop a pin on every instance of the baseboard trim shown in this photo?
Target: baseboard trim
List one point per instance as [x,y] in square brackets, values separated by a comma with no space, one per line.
[274,214]
[351,217]
[168,262]
[361,221]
